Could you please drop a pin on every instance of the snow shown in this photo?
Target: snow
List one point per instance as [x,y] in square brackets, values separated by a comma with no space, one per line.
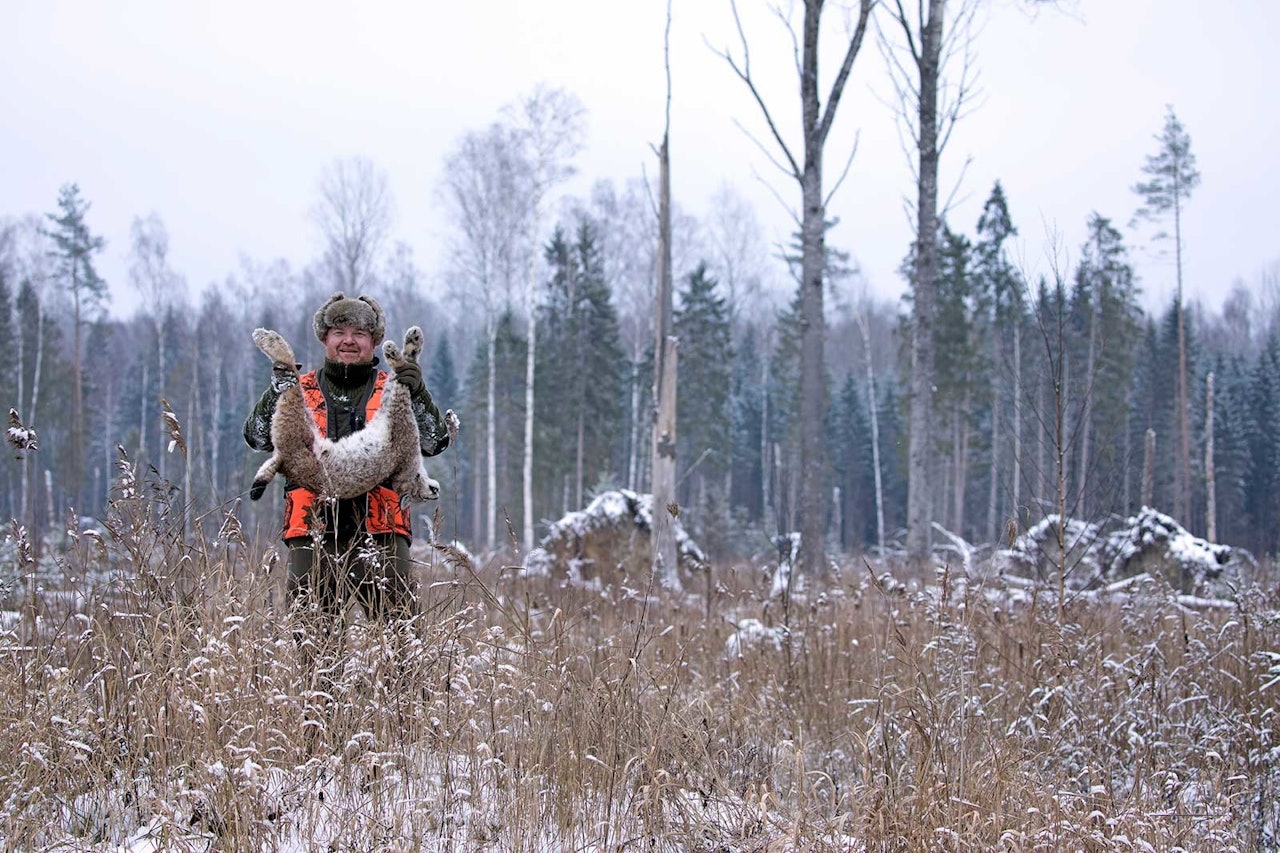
[612,510]
[1146,542]
[752,633]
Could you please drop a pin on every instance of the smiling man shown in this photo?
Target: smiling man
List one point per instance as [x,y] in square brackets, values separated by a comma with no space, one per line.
[359,547]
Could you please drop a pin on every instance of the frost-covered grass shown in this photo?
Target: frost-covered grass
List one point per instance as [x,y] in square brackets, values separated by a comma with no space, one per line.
[163,704]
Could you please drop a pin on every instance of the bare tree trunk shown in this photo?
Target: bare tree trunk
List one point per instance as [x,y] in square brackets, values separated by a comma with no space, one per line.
[1210,475]
[188,504]
[1086,405]
[664,469]
[766,470]
[665,375]
[816,123]
[160,392]
[1017,418]
[633,455]
[530,362]
[863,325]
[1148,468]
[215,445]
[77,396]
[28,503]
[1128,473]
[1183,501]
[993,486]
[812,357]
[924,291]
[577,491]
[962,471]
[142,415]
[491,472]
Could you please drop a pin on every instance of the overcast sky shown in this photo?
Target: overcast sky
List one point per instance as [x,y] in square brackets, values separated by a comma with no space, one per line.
[221,116]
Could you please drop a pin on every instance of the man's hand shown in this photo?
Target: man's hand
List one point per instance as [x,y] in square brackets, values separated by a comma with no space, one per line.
[283,376]
[410,376]
[452,423]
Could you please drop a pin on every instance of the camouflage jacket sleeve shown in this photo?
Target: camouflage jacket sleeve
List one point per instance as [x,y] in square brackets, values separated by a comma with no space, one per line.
[433,433]
[257,427]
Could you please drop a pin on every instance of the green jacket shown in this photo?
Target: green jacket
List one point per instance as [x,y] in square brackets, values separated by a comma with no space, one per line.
[346,391]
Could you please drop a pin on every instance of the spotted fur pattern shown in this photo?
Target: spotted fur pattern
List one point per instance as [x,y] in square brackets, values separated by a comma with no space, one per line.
[386,451]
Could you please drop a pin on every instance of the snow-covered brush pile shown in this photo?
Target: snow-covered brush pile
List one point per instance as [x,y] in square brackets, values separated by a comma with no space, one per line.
[609,541]
[1149,543]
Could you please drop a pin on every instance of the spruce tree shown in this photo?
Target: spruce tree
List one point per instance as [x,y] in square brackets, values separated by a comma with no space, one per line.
[442,378]
[747,407]
[1262,480]
[706,360]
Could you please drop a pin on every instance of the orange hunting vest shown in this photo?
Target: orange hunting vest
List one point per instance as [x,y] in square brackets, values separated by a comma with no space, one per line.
[383,513]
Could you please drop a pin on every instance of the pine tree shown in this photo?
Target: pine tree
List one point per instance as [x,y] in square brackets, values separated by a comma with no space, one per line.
[75,248]
[1173,177]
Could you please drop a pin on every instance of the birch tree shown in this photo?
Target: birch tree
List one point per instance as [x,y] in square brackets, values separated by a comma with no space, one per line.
[354,211]
[485,189]
[805,166]
[549,125]
[160,289]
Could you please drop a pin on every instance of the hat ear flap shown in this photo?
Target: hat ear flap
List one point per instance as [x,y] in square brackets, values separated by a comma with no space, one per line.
[379,329]
[321,327]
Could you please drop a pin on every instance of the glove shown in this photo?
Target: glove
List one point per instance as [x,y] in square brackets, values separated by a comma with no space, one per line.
[410,376]
[283,376]
[452,423]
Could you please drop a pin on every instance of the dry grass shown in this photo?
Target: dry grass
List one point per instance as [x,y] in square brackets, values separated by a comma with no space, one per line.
[152,697]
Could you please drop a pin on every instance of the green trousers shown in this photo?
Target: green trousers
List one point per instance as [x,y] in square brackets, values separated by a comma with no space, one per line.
[373,569]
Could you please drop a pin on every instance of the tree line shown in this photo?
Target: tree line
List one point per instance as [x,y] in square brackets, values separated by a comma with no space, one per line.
[1057,394]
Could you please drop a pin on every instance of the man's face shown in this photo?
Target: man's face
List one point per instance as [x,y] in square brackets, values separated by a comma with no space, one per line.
[348,345]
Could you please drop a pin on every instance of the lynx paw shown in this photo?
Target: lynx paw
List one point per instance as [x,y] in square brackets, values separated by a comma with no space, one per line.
[413,343]
[274,347]
[392,354]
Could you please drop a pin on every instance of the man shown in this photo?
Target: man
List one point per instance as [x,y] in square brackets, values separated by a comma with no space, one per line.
[357,547]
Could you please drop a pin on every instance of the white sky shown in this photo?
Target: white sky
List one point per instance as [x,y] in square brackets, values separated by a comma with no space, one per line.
[221,116]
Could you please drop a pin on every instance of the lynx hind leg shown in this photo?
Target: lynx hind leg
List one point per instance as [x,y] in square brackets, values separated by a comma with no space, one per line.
[274,347]
[264,476]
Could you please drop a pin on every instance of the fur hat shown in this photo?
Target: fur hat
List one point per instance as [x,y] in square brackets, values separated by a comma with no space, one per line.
[363,312]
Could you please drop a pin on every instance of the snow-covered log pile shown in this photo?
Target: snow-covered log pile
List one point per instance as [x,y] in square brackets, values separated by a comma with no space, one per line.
[609,540]
[1149,543]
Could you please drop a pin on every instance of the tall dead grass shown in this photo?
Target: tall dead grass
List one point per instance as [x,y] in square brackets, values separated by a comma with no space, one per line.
[153,695]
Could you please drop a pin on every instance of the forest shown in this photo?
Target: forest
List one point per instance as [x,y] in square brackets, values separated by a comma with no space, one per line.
[887,683]
[1063,376]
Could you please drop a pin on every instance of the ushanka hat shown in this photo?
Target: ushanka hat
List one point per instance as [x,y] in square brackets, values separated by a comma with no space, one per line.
[363,312]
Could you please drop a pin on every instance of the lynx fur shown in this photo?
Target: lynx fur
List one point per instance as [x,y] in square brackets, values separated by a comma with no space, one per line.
[386,451]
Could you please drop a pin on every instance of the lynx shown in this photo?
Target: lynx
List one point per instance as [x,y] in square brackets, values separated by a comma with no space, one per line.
[386,451]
